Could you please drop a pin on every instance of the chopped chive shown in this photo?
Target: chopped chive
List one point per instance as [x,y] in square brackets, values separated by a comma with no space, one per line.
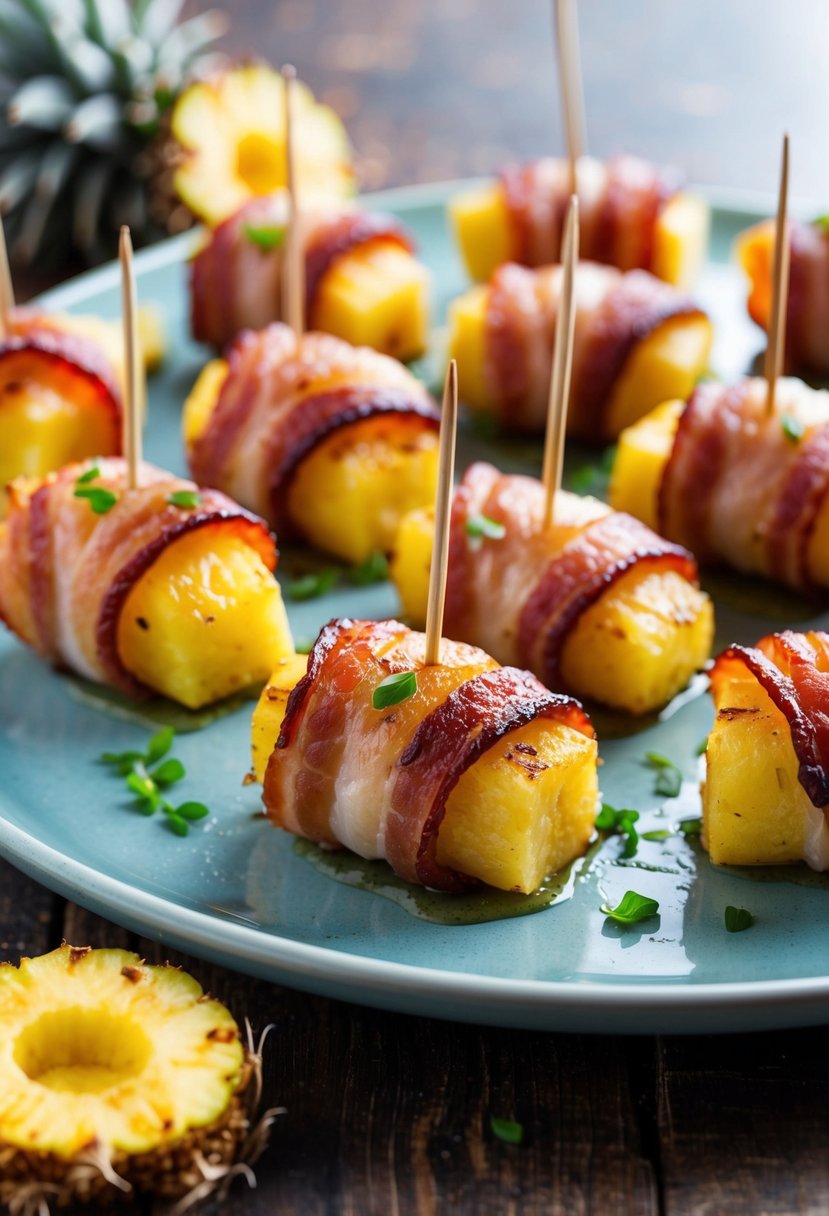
[657,834]
[100,500]
[690,827]
[793,428]
[507,1130]
[375,569]
[88,476]
[620,823]
[737,919]
[265,236]
[394,689]
[632,908]
[668,777]
[481,527]
[311,586]
[185,498]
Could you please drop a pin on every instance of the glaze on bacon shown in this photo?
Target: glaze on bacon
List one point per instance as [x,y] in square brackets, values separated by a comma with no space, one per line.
[619,204]
[521,596]
[235,284]
[793,669]
[66,572]
[614,313]
[737,489]
[377,781]
[281,398]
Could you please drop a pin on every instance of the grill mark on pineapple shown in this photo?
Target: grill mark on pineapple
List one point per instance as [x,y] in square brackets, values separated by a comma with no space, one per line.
[533,768]
[76,953]
[142,622]
[730,712]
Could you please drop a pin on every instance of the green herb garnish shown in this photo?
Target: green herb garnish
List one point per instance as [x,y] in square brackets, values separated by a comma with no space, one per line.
[265,236]
[737,919]
[394,689]
[185,498]
[631,908]
[657,834]
[481,527]
[589,478]
[88,476]
[668,777]
[375,569]
[147,773]
[619,823]
[822,221]
[311,586]
[690,827]
[793,428]
[507,1130]
[100,500]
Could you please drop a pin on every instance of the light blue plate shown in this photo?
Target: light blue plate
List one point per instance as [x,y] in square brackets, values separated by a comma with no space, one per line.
[236,891]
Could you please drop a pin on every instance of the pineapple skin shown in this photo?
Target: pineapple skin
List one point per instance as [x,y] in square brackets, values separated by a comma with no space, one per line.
[75,1005]
[525,809]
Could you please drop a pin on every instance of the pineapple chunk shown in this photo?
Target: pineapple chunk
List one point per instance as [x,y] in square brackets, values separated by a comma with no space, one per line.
[42,429]
[518,815]
[467,323]
[205,620]
[352,490]
[754,250]
[270,709]
[482,229]
[755,811]
[633,649]
[522,811]
[202,400]
[641,455]
[376,295]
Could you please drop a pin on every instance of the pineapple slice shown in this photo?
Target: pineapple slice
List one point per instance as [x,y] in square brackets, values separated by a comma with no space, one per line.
[483,231]
[204,621]
[230,131]
[524,809]
[755,811]
[665,363]
[642,452]
[376,295]
[633,649]
[110,1065]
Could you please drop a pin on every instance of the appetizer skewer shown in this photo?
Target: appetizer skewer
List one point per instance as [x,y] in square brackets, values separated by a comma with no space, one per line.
[164,587]
[363,283]
[637,342]
[766,791]
[328,442]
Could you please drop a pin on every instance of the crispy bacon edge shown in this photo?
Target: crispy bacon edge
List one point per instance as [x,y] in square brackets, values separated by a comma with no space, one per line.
[80,357]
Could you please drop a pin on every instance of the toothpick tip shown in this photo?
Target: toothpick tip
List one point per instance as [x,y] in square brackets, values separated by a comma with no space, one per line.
[288,71]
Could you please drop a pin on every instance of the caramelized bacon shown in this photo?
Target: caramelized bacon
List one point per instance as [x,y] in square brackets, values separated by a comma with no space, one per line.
[66,572]
[377,781]
[737,489]
[235,284]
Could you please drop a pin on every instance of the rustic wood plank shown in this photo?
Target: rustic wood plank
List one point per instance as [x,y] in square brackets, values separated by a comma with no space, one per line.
[743,1124]
[27,915]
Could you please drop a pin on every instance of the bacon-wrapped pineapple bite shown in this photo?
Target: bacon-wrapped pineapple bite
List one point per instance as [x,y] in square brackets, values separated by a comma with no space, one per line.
[331,443]
[596,603]
[363,282]
[633,215]
[765,798]
[743,487]
[163,588]
[807,310]
[637,341]
[474,773]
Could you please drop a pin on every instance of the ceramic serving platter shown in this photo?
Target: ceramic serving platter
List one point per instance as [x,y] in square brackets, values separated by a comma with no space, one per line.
[241,893]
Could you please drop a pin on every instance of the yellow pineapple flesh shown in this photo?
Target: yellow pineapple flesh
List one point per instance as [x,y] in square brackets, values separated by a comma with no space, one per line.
[755,811]
[205,620]
[42,430]
[202,400]
[352,490]
[467,346]
[523,810]
[642,452]
[98,1050]
[411,561]
[681,240]
[376,295]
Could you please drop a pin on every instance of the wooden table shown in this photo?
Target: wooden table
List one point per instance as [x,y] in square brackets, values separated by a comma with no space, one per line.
[391,1114]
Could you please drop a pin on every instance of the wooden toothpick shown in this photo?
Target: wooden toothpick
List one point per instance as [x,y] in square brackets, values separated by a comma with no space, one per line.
[131,422]
[293,270]
[6,287]
[443,508]
[570,81]
[562,365]
[779,285]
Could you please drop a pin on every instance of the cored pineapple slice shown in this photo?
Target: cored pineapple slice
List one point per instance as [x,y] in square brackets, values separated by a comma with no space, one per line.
[523,810]
[110,1068]
[205,620]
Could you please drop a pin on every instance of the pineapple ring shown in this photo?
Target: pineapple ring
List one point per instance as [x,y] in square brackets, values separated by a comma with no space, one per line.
[107,1062]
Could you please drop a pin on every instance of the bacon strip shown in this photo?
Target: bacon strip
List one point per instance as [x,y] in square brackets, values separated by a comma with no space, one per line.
[737,489]
[520,597]
[281,398]
[793,669]
[235,284]
[377,781]
[614,313]
[65,572]
[620,203]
